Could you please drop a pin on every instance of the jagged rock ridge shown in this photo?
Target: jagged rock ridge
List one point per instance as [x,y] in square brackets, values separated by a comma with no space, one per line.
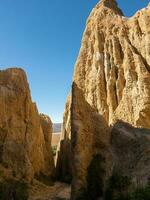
[111,86]
[25,144]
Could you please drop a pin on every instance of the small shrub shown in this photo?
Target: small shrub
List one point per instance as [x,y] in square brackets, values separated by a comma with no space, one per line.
[15,190]
[140,194]
[119,182]
[95,174]
[116,186]
[14,173]
[54,150]
[95,178]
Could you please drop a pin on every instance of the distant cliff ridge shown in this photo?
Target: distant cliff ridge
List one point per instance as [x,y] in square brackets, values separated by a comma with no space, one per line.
[57,127]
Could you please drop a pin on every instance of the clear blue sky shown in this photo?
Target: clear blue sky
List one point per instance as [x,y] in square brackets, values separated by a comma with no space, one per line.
[43,37]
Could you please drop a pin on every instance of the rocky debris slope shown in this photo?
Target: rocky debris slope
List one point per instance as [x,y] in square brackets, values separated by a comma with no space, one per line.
[111,83]
[24,143]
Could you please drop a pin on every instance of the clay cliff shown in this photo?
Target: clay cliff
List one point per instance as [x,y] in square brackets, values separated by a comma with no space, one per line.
[25,137]
[113,66]
[109,109]
[47,128]
[63,156]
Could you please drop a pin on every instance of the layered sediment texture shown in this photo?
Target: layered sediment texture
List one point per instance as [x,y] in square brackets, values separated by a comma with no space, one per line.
[25,137]
[111,89]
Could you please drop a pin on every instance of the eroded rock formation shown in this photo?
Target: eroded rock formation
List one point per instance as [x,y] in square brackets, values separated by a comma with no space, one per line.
[90,139]
[47,128]
[24,143]
[111,83]
[131,149]
[64,157]
[114,64]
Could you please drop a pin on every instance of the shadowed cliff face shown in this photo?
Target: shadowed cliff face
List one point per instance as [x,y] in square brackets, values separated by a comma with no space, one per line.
[90,139]
[131,149]
[24,143]
[111,83]
[64,156]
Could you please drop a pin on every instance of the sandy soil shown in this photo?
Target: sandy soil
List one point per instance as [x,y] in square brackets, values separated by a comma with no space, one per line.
[59,191]
[55,138]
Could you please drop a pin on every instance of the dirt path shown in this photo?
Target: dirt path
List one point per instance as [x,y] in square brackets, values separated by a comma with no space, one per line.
[59,191]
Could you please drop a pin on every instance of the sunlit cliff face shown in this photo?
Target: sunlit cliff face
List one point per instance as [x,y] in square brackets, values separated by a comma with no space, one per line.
[111,85]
